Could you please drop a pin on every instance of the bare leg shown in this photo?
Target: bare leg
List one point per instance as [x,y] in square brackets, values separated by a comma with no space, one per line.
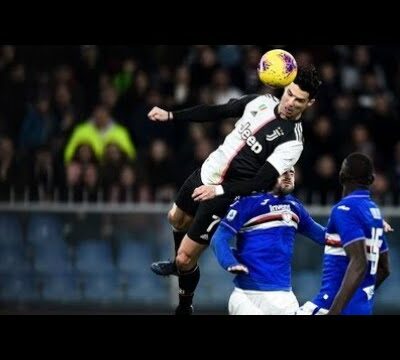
[188,254]
[180,222]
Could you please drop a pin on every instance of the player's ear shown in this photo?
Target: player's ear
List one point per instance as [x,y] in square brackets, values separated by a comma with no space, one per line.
[371,179]
[310,102]
[342,177]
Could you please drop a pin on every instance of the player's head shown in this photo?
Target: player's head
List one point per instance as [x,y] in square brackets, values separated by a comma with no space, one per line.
[285,183]
[357,170]
[300,94]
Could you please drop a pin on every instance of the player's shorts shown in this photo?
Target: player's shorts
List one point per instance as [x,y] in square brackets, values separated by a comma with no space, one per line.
[359,304]
[184,199]
[207,214]
[250,302]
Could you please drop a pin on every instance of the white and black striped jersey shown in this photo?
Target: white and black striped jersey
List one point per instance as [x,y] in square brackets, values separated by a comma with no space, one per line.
[260,139]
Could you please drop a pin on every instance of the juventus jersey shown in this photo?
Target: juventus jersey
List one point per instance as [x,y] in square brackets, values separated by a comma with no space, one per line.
[260,135]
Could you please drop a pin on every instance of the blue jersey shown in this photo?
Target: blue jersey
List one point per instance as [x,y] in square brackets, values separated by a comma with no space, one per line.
[265,226]
[355,218]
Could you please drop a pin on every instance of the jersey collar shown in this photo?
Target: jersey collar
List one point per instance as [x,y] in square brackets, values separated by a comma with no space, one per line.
[359,193]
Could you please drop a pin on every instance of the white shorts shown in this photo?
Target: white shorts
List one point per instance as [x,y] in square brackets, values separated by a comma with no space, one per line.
[250,302]
[310,308]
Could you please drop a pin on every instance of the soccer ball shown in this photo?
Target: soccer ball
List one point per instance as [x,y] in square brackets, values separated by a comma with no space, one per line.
[277,68]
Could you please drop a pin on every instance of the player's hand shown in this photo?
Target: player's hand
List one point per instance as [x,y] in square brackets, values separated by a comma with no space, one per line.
[204,192]
[238,269]
[386,227]
[158,114]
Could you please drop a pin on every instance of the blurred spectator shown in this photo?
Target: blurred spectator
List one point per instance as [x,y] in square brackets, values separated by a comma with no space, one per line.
[85,155]
[360,64]
[380,189]
[38,126]
[252,58]
[361,141]
[384,125]
[395,173]
[123,80]
[43,176]
[183,95]
[229,56]
[109,98]
[90,183]
[14,94]
[161,171]
[88,74]
[98,132]
[72,189]
[325,189]
[222,89]
[128,189]
[7,58]
[330,87]
[9,176]
[64,75]
[113,161]
[203,66]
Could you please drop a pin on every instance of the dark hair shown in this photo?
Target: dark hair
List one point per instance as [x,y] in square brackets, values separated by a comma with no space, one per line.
[308,79]
[358,169]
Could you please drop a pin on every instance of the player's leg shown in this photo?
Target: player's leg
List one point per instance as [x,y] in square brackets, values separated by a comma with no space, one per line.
[188,272]
[194,243]
[241,303]
[180,217]
[180,222]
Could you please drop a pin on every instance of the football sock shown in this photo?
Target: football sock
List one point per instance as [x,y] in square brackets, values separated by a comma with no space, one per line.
[188,282]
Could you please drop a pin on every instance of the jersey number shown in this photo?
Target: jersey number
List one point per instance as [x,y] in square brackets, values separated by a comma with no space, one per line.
[374,249]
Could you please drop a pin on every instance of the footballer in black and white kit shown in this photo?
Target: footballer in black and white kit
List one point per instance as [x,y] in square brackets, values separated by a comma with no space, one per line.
[266,142]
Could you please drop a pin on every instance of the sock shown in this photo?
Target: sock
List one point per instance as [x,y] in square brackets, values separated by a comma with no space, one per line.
[188,282]
[178,237]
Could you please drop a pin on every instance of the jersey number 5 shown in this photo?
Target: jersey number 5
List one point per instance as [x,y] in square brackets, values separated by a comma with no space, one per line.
[374,249]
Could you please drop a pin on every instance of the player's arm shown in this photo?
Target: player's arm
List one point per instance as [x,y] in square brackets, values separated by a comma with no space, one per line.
[204,113]
[355,273]
[310,228]
[383,269]
[282,159]
[220,244]
[226,231]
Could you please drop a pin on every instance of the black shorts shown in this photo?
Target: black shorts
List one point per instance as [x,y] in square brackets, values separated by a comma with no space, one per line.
[207,214]
[184,199]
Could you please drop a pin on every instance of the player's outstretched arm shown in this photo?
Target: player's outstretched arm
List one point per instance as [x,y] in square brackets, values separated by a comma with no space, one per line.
[387,227]
[158,114]
[310,228]
[202,113]
[355,273]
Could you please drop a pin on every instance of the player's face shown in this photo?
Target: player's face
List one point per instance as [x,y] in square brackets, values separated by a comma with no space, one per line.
[285,183]
[293,102]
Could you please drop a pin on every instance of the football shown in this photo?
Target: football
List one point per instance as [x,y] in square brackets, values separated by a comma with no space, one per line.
[277,68]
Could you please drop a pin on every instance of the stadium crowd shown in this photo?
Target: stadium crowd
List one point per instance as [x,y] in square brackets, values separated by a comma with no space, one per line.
[74,126]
